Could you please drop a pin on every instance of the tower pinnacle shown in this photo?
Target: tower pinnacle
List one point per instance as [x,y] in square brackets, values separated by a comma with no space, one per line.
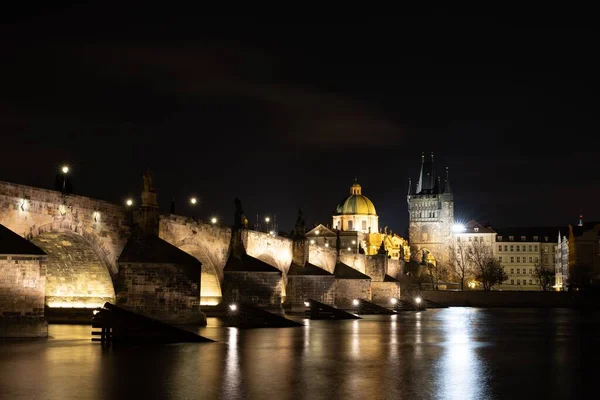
[447,188]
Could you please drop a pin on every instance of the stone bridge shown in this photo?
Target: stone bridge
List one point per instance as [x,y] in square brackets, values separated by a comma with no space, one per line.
[84,237]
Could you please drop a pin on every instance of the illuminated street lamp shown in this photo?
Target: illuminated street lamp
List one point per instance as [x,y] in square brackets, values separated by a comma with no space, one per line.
[214,220]
[394,301]
[193,202]
[65,171]
[129,202]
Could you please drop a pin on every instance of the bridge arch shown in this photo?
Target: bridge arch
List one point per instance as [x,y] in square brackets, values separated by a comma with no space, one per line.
[212,275]
[76,274]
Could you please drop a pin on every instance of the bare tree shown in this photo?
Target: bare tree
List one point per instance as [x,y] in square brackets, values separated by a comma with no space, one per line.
[488,270]
[459,262]
[438,272]
[545,277]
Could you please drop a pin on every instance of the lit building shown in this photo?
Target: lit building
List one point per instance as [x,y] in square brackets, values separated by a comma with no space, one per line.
[431,216]
[356,213]
[561,263]
[520,250]
[356,224]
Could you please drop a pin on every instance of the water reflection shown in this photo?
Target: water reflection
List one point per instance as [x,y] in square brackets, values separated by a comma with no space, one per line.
[232,377]
[436,354]
[460,373]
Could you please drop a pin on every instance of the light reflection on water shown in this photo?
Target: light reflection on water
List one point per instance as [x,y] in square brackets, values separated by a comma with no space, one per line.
[456,353]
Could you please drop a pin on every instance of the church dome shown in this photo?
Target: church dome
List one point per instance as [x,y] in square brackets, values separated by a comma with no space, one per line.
[356,203]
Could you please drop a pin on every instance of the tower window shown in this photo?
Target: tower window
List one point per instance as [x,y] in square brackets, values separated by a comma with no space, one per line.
[349,225]
[364,225]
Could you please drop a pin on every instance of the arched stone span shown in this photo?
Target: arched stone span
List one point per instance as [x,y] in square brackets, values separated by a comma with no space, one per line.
[76,276]
[211,277]
[208,243]
[30,211]
[273,250]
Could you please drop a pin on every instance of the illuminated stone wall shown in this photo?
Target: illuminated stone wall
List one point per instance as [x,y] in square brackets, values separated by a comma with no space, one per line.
[161,291]
[22,291]
[76,275]
[347,290]
[29,211]
[382,292]
[395,268]
[303,287]
[376,267]
[323,257]
[206,242]
[274,250]
[431,217]
[355,260]
[262,289]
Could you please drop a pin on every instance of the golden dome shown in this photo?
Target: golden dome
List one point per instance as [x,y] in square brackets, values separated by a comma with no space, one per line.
[356,203]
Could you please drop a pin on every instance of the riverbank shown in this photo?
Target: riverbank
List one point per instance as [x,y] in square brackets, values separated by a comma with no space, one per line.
[513,299]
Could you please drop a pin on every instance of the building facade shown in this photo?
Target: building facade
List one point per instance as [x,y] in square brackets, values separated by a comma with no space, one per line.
[431,216]
[521,250]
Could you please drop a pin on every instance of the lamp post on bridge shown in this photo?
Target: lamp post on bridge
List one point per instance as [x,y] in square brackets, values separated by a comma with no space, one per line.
[65,171]
[193,202]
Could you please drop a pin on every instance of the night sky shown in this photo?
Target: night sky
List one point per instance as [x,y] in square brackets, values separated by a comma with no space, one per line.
[285,115]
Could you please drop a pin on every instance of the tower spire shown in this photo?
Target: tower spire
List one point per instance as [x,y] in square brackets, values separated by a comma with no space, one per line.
[409,186]
[447,188]
[580,223]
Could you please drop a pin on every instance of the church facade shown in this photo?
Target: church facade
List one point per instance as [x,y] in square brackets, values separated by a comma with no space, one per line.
[431,216]
[355,229]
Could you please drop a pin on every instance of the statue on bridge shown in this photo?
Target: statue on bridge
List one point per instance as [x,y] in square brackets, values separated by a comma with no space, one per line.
[148,184]
[300,227]
[239,220]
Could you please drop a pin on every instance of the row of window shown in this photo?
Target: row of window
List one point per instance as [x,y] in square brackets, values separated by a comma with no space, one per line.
[512,281]
[524,247]
[512,271]
[472,239]
[426,214]
[524,238]
[512,259]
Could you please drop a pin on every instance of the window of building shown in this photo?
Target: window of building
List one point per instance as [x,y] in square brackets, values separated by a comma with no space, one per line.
[511,238]
[530,271]
[512,281]
[518,281]
[500,258]
[512,270]
[518,248]
[349,225]
[364,225]
[500,238]
[529,247]
[505,248]
[512,259]
[531,281]
[481,239]
[535,248]
[518,259]
[518,270]
[523,238]
[499,247]
[512,248]
[476,229]
[536,259]
[536,238]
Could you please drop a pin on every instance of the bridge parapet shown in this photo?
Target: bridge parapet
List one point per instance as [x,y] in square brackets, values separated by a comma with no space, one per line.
[30,211]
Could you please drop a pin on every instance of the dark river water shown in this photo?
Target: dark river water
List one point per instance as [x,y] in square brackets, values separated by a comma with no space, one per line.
[455,353]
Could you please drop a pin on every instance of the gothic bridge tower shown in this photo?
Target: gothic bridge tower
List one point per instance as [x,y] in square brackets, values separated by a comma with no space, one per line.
[431,216]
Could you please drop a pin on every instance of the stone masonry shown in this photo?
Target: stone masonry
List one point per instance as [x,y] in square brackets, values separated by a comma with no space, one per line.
[22,290]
